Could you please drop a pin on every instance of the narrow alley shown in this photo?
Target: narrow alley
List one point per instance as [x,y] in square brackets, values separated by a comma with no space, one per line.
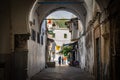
[63,73]
[37,37]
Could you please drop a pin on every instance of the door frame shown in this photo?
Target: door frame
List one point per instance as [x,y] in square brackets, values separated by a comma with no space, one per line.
[97,35]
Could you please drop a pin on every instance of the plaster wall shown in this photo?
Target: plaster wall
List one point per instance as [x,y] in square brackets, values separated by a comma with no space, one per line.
[89,51]
[59,36]
[90,10]
[86,53]
[14,20]
[20,14]
[88,39]
[105,49]
[90,60]
[36,51]
[82,52]
[87,48]
[5,48]
[4,27]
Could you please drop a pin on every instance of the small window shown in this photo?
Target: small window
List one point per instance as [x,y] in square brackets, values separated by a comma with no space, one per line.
[33,21]
[65,35]
[42,40]
[53,35]
[38,37]
[33,37]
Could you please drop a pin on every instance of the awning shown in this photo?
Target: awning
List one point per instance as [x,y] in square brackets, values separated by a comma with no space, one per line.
[71,43]
[75,40]
[50,39]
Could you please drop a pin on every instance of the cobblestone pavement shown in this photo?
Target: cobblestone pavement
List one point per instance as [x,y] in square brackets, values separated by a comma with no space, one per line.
[62,73]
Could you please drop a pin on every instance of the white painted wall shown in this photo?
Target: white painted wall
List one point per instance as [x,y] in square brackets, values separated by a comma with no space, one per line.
[5,28]
[82,52]
[59,36]
[36,51]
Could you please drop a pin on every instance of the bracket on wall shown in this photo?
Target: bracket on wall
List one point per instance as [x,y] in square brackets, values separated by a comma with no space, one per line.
[20,42]
[105,35]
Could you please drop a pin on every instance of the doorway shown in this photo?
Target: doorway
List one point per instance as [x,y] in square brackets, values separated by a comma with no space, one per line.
[98,57]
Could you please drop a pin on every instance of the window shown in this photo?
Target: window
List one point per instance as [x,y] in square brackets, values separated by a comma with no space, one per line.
[38,37]
[53,35]
[42,40]
[65,35]
[33,21]
[33,37]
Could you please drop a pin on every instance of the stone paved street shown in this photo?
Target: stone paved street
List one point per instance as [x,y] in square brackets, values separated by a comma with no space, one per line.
[62,73]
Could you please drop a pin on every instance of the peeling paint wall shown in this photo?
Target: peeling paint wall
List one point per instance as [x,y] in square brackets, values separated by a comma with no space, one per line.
[60,38]
[4,27]
[89,51]
[82,52]
[86,41]
[20,15]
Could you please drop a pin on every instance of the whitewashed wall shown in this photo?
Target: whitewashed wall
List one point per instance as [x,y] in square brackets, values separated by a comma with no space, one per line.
[59,36]
[82,52]
[87,53]
[36,51]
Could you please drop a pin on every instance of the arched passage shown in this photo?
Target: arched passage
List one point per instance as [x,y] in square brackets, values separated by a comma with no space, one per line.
[14,20]
[90,18]
[37,28]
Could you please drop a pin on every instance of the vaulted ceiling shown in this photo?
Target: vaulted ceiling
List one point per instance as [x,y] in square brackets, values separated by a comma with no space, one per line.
[46,7]
[77,7]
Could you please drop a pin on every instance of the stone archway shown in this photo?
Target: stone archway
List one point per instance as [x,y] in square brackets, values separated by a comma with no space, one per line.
[106,14]
[39,15]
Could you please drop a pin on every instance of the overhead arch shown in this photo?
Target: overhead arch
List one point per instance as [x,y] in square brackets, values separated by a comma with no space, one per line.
[79,9]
